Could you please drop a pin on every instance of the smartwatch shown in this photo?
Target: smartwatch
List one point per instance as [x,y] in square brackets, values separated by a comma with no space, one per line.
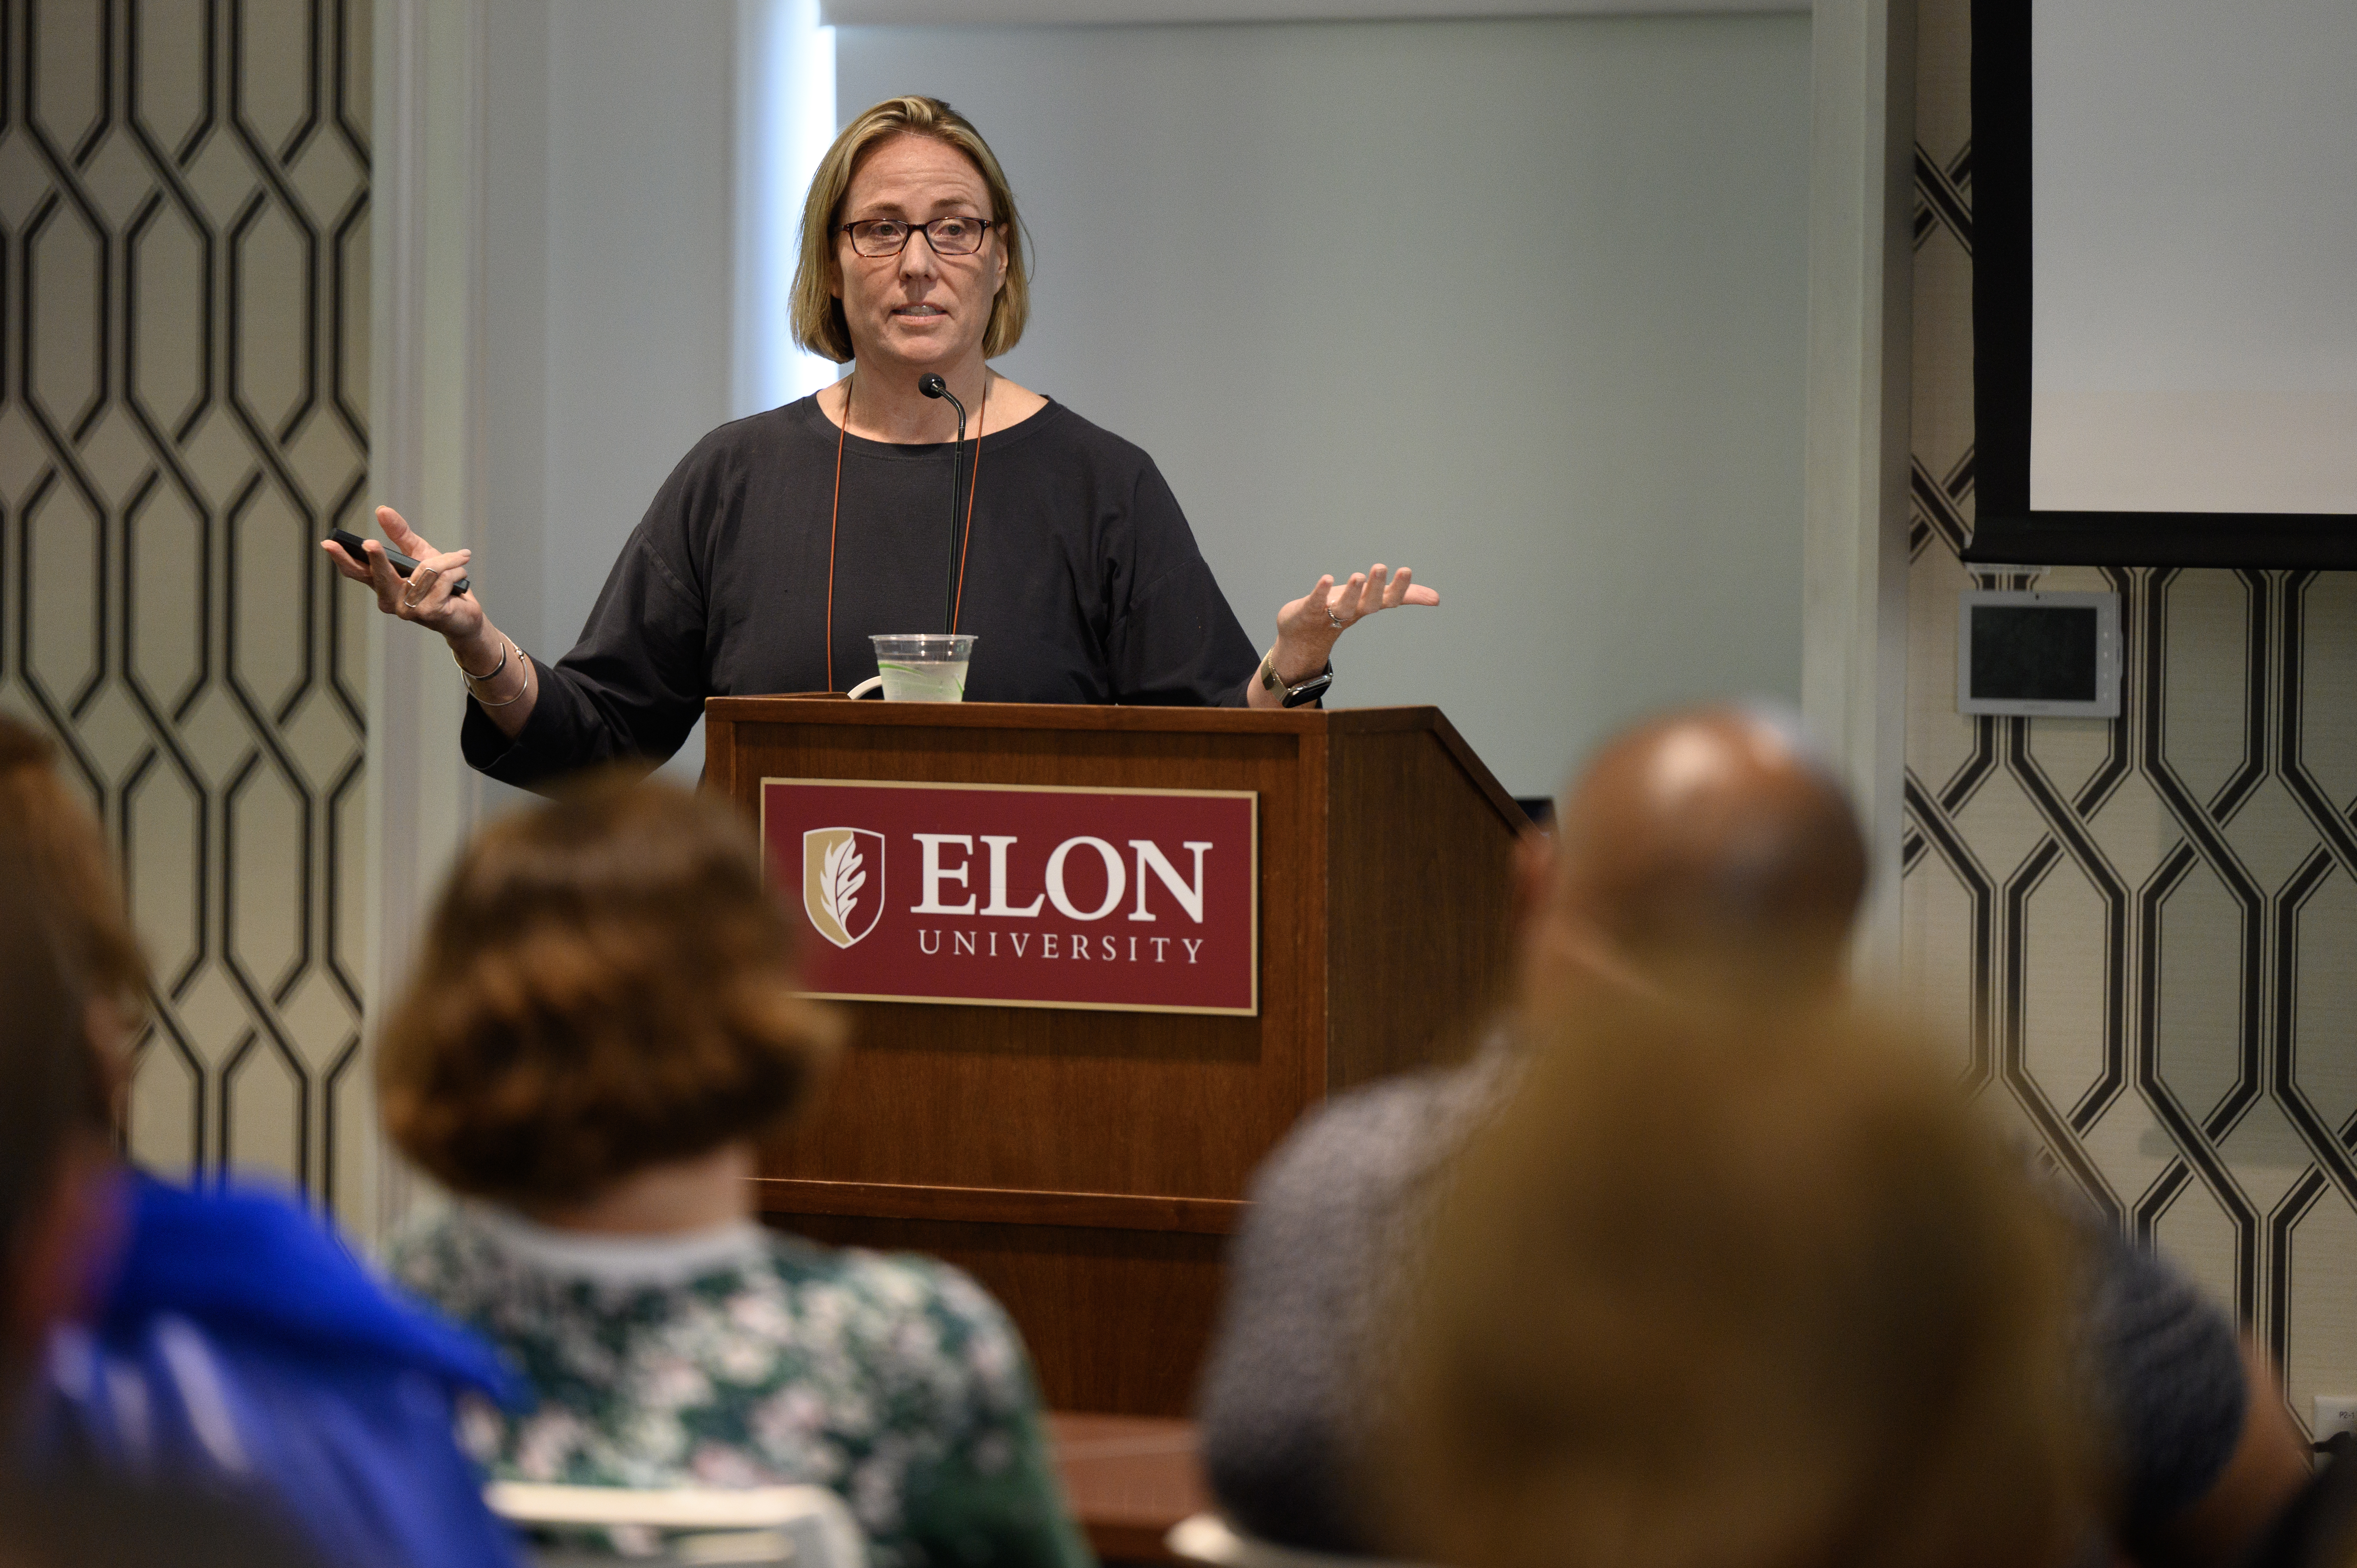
[1310,690]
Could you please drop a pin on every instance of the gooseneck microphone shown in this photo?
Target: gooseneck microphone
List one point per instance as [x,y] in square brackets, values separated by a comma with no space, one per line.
[933,386]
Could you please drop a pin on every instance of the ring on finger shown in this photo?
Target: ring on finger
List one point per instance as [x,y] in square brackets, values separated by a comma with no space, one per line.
[1339,622]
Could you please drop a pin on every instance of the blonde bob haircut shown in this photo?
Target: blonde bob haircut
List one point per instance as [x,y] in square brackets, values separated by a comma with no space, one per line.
[1721,1289]
[818,324]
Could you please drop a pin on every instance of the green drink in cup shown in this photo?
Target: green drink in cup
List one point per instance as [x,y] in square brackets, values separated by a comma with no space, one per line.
[920,666]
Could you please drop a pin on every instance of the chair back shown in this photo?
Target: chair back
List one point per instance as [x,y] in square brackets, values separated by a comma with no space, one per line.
[690,1526]
[1207,1538]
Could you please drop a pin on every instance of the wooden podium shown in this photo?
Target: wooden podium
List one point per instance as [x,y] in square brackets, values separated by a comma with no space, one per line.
[1085,1165]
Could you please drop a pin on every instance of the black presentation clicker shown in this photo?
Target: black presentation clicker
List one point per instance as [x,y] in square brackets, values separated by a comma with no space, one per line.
[345,540]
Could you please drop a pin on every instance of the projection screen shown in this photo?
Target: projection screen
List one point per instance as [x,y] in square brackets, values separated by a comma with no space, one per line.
[2166,281]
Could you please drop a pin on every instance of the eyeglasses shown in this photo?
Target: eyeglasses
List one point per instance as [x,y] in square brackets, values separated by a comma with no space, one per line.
[890,236]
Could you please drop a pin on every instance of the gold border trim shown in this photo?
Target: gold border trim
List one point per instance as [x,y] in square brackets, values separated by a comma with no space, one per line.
[1045,1007]
[1013,789]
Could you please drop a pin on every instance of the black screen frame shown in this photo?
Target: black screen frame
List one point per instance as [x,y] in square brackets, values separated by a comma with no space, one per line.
[2005,529]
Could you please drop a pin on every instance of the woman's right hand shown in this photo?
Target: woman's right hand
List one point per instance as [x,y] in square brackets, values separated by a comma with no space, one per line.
[424,597]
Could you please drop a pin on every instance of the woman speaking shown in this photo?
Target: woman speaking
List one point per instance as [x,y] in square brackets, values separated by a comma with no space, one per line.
[784,541]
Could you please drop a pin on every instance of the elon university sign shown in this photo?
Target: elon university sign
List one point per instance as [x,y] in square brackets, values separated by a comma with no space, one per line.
[1136,900]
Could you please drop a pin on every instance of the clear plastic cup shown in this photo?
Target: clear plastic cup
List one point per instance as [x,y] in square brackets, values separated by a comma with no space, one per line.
[920,666]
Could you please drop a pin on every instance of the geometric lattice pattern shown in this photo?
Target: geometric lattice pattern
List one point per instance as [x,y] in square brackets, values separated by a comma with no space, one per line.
[2145,929]
[184,256]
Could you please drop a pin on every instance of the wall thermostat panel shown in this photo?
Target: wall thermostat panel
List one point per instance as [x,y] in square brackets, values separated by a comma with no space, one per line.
[2043,655]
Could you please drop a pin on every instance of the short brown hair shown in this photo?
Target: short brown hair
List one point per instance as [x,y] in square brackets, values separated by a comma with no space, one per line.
[52,1096]
[72,874]
[606,985]
[1716,1291]
[819,323]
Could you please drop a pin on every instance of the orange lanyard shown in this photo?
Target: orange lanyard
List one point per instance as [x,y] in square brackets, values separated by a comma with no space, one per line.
[834,515]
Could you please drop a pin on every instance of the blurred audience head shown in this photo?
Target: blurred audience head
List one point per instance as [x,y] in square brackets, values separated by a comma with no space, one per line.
[45,822]
[606,987]
[1705,851]
[48,1083]
[70,971]
[1714,1294]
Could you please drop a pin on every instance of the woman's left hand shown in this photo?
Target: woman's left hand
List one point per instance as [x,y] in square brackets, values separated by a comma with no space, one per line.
[1312,623]
[1308,628]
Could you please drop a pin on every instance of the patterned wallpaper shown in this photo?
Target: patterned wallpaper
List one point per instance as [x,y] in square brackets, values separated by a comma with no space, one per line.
[2143,926]
[184,257]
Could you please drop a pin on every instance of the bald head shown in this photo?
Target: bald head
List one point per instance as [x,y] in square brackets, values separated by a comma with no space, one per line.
[1707,844]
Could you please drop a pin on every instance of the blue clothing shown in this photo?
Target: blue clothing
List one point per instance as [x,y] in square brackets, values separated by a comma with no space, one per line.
[243,1347]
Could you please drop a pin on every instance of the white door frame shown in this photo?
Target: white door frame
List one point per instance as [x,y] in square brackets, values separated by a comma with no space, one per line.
[425,403]
[1861,290]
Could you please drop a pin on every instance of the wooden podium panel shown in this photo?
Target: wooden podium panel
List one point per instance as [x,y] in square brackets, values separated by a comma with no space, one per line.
[1085,1165]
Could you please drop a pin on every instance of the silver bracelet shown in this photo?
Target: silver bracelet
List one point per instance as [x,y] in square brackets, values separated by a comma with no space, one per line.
[505,648]
[503,664]
[523,690]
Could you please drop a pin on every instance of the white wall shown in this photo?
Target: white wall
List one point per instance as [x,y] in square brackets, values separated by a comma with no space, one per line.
[1586,431]
[482,121]
[968,12]
[1519,302]
[610,168]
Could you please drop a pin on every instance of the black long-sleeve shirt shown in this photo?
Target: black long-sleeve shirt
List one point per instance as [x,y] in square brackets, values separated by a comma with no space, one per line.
[1083,584]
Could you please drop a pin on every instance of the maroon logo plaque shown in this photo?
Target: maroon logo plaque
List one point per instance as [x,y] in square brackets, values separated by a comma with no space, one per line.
[1132,900]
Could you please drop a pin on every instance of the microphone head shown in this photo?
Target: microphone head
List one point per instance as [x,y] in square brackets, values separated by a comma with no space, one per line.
[931,385]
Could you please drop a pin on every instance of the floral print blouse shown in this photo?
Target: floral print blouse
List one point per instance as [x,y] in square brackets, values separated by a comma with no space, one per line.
[740,1357]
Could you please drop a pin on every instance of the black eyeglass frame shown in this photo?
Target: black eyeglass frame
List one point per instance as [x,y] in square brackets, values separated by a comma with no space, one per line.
[926,229]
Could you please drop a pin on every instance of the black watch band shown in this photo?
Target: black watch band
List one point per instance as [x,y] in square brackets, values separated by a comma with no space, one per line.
[1310,690]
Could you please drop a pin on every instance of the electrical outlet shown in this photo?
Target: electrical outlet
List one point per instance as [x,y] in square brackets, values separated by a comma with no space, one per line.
[2331,1413]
